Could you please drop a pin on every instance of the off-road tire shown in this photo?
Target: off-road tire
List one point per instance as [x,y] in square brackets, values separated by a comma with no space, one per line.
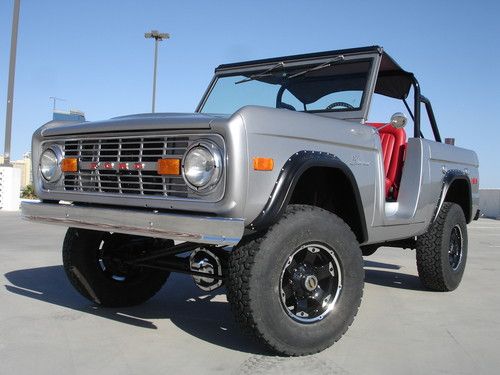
[81,264]
[255,268]
[434,268]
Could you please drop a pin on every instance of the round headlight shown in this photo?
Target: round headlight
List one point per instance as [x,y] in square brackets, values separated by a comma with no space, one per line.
[49,165]
[202,166]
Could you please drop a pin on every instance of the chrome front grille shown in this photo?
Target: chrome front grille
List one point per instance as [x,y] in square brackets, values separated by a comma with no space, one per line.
[126,165]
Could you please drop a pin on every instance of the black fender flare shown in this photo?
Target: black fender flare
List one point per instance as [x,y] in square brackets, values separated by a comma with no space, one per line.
[449,178]
[290,174]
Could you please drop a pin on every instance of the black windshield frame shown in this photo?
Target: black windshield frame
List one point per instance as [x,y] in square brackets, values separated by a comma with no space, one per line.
[358,113]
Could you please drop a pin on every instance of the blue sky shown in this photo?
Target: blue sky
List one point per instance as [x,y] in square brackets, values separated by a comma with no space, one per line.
[93,53]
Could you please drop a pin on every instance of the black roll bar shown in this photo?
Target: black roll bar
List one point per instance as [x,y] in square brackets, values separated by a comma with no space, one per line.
[432,119]
[419,98]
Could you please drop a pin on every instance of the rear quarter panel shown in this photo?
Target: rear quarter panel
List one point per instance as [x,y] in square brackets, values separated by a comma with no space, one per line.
[444,158]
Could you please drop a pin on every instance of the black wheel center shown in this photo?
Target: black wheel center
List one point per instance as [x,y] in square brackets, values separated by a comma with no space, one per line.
[115,254]
[310,283]
[455,249]
[115,265]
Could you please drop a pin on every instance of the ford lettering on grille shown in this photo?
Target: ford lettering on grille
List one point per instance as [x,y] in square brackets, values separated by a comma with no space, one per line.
[116,166]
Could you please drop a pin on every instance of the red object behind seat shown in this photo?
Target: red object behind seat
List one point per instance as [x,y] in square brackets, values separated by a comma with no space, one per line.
[393,143]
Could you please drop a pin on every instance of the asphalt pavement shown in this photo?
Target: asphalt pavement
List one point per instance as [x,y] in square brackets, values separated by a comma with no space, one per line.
[47,328]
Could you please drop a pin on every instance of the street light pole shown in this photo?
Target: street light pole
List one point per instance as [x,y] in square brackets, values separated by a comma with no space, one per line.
[10,89]
[154,76]
[158,37]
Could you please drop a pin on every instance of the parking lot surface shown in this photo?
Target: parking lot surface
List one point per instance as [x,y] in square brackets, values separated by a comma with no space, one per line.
[47,328]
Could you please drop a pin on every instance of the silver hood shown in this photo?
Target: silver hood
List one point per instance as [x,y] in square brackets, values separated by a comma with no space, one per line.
[146,121]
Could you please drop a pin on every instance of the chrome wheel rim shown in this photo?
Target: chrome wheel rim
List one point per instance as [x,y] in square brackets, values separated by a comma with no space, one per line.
[456,245]
[310,283]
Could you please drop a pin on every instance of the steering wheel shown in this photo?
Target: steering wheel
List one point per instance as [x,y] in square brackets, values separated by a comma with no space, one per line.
[339,104]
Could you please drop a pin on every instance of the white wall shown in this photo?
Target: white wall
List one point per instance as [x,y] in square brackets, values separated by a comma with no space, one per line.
[10,188]
[489,203]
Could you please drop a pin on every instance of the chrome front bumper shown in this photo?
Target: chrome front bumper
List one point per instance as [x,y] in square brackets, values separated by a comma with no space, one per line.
[179,227]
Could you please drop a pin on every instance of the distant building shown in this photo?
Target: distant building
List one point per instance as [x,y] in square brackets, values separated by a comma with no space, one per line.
[24,165]
[72,115]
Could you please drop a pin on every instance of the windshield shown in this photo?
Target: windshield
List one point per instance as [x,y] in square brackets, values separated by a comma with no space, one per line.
[327,87]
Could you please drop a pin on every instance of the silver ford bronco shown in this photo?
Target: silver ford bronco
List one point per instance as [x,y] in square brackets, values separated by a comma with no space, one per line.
[275,187]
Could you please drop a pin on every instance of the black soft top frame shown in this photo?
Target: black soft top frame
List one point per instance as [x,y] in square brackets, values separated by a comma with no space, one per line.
[392,80]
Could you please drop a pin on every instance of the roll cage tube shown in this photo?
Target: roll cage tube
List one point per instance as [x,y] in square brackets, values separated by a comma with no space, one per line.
[419,99]
[432,119]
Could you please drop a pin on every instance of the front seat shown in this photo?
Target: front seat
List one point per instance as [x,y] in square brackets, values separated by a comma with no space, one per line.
[393,143]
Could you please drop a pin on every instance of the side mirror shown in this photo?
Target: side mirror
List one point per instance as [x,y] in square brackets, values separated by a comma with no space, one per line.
[398,120]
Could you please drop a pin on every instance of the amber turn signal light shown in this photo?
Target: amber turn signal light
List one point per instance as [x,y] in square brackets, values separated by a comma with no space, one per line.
[169,166]
[263,164]
[69,165]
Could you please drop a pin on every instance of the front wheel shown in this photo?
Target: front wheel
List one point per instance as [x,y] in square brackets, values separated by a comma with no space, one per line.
[96,265]
[442,251]
[297,289]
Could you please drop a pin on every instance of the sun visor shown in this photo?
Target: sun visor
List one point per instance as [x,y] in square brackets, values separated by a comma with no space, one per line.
[396,84]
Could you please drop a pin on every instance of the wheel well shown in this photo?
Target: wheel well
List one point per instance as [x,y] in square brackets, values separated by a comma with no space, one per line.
[332,190]
[459,193]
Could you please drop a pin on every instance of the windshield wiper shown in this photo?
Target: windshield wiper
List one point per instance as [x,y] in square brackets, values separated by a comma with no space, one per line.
[263,74]
[318,67]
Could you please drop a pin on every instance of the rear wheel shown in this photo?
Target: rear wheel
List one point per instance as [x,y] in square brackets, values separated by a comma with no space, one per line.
[96,265]
[442,251]
[297,289]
